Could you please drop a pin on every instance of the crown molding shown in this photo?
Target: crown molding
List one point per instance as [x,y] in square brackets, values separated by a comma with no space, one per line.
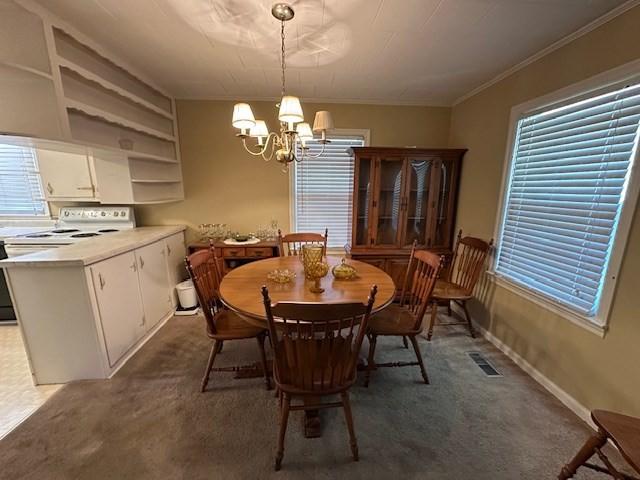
[351,101]
[610,15]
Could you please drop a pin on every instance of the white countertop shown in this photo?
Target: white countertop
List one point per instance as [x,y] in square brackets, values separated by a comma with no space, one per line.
[95,249]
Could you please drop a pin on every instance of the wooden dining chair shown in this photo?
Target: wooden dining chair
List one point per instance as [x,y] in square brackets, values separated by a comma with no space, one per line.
[623,431]
[294,242]
[222,324]
[469,256]
[316,348]
[405,319]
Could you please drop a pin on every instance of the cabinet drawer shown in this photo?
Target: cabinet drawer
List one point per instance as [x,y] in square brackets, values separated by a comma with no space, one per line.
[233,252]
[259,252]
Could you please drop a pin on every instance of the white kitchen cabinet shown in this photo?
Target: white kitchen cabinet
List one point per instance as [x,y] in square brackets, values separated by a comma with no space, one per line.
[177,271]
[67,176]
[154,282]
[120,307]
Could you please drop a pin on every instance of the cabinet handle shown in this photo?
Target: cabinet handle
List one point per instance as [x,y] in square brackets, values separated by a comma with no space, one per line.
[168,250]
[134,266]
[141,263]
[144,320]
[49,188]
[84,188]
[101,280]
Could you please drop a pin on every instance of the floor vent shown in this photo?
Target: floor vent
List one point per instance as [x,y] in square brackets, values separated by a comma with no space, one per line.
[484,364]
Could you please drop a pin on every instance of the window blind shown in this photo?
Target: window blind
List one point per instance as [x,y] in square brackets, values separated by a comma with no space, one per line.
[569,173]
[323,189]
[20,189]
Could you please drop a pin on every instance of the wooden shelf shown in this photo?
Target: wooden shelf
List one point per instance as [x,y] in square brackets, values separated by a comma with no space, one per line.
[143,180]
[116,120]
[133,155]
[83,72]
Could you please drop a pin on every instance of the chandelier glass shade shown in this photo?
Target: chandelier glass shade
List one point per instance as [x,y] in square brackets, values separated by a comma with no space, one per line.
[294,132]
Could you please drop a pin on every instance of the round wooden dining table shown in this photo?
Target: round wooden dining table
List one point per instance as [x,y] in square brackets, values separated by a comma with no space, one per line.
[240,291]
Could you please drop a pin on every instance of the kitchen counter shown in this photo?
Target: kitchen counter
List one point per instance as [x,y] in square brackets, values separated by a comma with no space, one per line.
[14,231]
[92,250]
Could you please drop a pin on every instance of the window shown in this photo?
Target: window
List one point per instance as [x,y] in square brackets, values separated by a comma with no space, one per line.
[323,188]
[568,181]
[20,189]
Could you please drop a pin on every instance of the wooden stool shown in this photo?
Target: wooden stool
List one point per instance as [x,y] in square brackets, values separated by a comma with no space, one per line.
[624,432]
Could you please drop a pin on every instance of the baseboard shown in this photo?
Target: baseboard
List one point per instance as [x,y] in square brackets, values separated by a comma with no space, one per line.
[566,399]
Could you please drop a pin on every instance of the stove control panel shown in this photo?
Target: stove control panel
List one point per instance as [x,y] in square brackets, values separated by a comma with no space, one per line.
[114,214]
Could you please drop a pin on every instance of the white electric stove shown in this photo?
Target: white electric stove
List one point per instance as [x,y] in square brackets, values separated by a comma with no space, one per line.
[74,224]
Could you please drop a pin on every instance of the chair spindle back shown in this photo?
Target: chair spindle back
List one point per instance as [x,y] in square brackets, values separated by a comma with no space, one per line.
[316,345]
[202,266]
[295,241]
[422,273]
[469,256]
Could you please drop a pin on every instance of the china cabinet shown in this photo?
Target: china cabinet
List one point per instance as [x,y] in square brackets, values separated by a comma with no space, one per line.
[401,195]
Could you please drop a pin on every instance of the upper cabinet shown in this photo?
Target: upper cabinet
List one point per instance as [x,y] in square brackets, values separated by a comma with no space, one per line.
[404,195]
[67,176]
[57,84]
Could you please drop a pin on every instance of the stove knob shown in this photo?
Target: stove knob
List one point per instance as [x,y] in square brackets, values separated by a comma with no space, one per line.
[123,213]
[115,214]
[66,213]
[104,214]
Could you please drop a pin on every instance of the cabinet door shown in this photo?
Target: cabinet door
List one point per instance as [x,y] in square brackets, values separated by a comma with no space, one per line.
[154,282]
[175,263]
[118,296]
[388,201]
[445,206]
[417,203]
[362,200]
[66,175]
[396,269]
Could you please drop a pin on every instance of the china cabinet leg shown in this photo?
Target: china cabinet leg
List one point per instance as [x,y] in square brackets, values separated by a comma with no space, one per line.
[434,314]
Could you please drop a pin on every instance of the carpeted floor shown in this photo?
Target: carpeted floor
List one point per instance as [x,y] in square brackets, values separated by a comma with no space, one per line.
[151,421]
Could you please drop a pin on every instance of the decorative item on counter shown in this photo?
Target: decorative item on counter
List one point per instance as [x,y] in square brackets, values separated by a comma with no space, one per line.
[273,231]
[314,267]
[281,275]
[344,271]
[213,231]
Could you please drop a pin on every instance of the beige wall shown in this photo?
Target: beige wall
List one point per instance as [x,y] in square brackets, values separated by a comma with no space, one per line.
[598,373]
[224,184]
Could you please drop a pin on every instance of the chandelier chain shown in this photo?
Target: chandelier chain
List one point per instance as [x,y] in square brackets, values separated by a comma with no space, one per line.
[282,54]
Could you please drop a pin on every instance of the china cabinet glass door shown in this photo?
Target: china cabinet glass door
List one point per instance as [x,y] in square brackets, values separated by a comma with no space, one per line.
[419,174]
[444,204]
[389,201]
[363,201]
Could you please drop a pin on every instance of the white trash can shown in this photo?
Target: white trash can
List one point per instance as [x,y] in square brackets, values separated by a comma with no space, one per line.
[187,294]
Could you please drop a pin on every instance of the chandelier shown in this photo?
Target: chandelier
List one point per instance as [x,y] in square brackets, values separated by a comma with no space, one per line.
[294,131]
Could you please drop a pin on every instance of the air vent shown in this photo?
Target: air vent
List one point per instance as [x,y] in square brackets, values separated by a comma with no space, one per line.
[484,364]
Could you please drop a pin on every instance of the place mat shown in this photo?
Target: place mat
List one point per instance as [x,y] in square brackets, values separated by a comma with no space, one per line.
[231,241]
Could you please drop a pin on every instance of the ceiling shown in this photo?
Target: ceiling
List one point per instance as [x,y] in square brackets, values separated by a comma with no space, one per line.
[425,52]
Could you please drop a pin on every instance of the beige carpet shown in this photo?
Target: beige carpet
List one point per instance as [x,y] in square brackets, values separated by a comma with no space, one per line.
[151,422]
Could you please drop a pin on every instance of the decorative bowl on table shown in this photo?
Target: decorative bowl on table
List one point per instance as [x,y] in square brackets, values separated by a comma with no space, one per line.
[241,237]
[281,275]
[344,271]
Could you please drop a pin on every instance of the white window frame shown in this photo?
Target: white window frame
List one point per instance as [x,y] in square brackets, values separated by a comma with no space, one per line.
[365,133]
[599,323]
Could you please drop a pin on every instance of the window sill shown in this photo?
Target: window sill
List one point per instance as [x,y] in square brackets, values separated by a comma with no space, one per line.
[540,300]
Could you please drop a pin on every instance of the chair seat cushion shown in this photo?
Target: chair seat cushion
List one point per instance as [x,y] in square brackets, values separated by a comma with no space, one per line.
[230,326]
[444,290]
[393,320]
[624,431]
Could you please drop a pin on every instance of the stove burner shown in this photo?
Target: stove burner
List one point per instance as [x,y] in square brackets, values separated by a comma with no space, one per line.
[38,235]
[84,235]
[108,230]
[65,230]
